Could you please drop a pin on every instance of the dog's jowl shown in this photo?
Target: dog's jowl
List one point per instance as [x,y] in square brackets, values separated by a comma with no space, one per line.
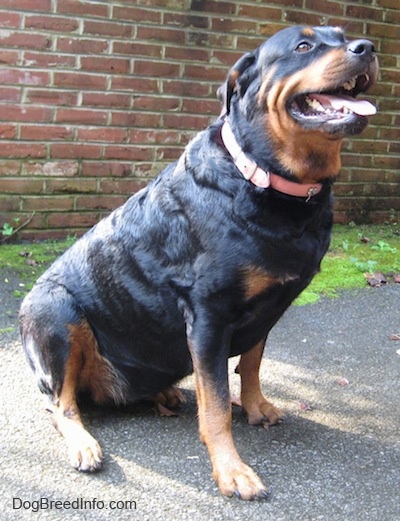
[199,266]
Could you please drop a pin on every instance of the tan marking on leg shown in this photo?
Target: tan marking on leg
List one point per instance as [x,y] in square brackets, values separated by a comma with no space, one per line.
[84,369]
[215,417]
[258,409]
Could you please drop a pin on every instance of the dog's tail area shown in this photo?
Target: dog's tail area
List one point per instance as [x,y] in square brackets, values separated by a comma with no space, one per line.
[44,317]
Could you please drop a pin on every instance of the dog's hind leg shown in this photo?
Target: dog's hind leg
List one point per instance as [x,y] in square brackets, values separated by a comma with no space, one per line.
[84,451]
[258,409]
[64,355]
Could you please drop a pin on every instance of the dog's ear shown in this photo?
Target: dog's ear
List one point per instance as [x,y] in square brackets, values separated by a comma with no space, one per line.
[233,81]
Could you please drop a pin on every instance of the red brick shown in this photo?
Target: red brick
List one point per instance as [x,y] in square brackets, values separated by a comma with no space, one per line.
[154,136]
[33,204]
[99,202]
[52,169]
[27,5]
[9,204]
[131,153]
[137,49]
[75,151]
[136,14]
[9,19]
[392,16]
[78,80]
[160,34]
[46,133]
[51,97]
[156,104]
[10,94]
[22,186]
[22,150]
[23,77]
[362,11]
[234,26]
[50,60]
[328,7]
[9,57]
[105,65]
[8,131]
[132,84]
[121,186]
[302,17]
[21,39]
[260,12]
[213,7]
[76,7]
[168,154]
[51,23]
[106,99]
[202,106]
[185,87]
[71,186]
[117,30]
[185,121]
[102,134]
[77,45]
[106,169]
[202,72]
[9,168]
[135,119]
[81,116]
[185,54]
[383,30]
[156,69]
[70,219]
[187,20]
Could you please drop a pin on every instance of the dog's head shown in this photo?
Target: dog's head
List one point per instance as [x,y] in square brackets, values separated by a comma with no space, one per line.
[302,87]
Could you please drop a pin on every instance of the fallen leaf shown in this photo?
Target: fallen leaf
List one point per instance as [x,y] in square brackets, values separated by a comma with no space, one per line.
[375,279]
[365,239]
[394,337]
[24,253]
[31,262]
[396,278]
[343,382]
[305,406]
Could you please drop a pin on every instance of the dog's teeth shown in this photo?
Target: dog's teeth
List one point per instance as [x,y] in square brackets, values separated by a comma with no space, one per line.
[314,104]
[349,85]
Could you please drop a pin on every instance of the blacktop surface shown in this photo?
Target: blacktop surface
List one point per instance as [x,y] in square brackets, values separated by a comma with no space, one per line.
[334,369]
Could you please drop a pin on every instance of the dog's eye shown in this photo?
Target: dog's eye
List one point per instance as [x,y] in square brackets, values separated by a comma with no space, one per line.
[304,47]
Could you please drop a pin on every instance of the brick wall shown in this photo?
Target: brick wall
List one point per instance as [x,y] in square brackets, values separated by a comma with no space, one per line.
[96,97]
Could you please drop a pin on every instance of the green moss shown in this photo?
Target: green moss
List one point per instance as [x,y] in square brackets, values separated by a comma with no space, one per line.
[354,251]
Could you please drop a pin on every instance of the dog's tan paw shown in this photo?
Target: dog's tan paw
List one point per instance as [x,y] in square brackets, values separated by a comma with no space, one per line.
[263,413]
[85,454]
[240,480]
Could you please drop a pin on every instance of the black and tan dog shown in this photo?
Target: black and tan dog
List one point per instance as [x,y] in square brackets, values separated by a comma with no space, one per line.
[199,266]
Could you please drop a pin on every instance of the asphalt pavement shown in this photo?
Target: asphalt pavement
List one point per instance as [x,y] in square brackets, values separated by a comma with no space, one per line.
[334,369]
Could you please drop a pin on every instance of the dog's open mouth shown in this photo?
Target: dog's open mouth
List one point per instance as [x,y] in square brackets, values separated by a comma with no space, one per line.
[333,105]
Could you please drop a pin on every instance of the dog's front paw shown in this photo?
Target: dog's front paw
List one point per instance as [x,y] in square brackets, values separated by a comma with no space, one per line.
[241,481]
[85,453]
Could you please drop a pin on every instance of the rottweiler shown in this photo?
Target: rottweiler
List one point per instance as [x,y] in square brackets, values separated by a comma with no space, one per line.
[198,266]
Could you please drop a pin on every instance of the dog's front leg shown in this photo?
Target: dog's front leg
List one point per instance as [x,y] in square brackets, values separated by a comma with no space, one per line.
[209,349]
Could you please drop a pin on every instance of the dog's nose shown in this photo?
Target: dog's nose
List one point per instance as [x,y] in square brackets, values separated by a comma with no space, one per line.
[361,48]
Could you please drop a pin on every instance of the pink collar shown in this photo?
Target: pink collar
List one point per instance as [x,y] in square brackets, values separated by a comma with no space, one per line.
[258,176]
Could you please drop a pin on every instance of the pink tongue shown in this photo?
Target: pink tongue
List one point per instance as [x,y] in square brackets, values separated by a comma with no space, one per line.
[362,107]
